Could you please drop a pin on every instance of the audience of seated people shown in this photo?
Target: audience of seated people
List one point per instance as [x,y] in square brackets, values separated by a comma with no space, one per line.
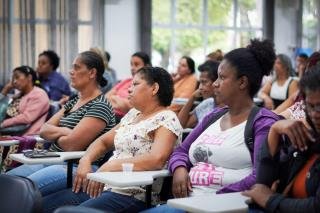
[30,106]
[215,157]
[118,95]
[293,107]
[188,116]
[82,119]
[146,136]
[283,85]
[288,173]
[107,73]
[51,81]
[185,81]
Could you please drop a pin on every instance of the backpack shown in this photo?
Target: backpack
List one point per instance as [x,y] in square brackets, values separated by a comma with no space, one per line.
[248,131]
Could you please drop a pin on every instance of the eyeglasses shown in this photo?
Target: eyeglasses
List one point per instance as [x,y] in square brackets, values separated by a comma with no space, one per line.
[313,108]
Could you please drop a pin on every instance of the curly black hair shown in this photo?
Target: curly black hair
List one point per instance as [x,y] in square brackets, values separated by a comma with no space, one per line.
[53,57]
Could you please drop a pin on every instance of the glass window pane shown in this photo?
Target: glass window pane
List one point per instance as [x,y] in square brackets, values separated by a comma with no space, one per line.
[222,40]
[42,10]
[41,37]
[220,12]
[161,39]
[189,11]
[249,13]
[84,10]
[310,24]
[161,11]
[243,38]
[84,38]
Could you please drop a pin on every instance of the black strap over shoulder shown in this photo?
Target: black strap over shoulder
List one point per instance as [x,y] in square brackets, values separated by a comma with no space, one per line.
[287,94]
[248,132]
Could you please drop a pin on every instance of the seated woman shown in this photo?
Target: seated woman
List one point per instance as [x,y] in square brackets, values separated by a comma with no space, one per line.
[185,81]
[208,74]
[288,176]
[30,106]
[67,127]
[216,156]
[118,95]
[145,137]
[276,91]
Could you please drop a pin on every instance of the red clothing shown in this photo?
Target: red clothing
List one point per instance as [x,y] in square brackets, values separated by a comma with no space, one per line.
[122,91]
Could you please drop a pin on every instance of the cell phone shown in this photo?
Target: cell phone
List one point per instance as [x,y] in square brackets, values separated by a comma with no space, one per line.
[40,154]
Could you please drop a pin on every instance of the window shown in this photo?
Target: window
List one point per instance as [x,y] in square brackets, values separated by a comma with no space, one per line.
[198,27]
[310,24]
[28,27]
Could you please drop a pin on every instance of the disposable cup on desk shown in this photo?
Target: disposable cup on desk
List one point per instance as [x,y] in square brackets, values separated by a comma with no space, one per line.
[127,168]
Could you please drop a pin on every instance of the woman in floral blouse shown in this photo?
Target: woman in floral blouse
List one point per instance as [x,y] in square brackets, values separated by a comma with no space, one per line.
[145,137]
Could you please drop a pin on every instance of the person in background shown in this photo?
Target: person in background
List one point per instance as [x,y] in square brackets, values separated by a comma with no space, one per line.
[276,91]
[185,81]
[215,56]
[145,137]
[51,81]
[107,74]
[30,106]
[208,74]
[118,95]
[301,64]
[111,70]
[288,173]
[81,120]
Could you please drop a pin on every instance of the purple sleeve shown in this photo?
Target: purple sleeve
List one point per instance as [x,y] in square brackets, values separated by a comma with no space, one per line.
[262,124]
[180,156]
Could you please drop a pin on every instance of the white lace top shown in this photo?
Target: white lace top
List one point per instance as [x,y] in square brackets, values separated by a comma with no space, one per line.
[133,139]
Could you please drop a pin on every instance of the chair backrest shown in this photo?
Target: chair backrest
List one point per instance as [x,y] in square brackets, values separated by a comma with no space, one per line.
[19,195]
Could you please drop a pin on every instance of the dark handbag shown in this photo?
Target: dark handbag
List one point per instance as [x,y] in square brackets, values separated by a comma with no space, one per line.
[14,130]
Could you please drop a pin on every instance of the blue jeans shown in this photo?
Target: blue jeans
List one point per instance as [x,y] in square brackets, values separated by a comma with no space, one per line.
[107,201]
[163,209]
[48,178]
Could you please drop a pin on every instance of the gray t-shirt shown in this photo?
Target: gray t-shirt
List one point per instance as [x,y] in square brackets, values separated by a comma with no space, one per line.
[203,108]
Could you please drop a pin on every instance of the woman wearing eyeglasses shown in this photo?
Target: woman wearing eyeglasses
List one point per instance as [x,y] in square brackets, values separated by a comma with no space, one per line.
[30,106]
[289,175]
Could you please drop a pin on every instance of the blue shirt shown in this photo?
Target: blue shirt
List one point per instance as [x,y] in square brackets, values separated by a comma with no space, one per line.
[55,85]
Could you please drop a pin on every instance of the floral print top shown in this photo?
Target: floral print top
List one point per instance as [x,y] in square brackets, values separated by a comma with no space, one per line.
[134,139]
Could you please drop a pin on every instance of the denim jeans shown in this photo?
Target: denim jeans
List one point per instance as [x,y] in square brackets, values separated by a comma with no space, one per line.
[48,178]
[163,209]
[107,201]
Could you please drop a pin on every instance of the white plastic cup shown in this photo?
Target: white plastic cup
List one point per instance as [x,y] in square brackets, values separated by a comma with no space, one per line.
[127,167]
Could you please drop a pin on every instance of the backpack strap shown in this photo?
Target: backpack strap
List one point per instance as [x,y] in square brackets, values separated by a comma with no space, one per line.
[287,94]
[248,131]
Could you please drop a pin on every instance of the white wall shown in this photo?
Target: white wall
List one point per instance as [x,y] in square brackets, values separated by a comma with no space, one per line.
[121,33]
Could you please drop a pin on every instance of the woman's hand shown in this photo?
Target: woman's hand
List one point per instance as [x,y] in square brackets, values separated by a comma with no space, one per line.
[259,193]
[81,181]
[297,132]
[181,185]
[268,103]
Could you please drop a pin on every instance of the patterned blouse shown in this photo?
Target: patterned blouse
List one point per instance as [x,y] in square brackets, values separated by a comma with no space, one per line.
[134,139]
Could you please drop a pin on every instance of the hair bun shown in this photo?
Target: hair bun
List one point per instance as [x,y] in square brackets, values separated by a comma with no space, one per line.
[264,53]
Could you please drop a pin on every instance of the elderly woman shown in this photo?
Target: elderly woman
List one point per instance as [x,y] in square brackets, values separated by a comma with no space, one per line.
[216,157]
[185,81]
[283,86]
[88,109]
[145,137]
[30,106]
[288,177]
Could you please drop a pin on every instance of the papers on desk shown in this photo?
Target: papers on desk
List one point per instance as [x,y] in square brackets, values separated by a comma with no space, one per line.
[212,203]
